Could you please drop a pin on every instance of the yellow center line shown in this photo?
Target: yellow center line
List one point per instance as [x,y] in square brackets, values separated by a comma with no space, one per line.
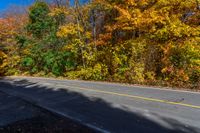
[137,97]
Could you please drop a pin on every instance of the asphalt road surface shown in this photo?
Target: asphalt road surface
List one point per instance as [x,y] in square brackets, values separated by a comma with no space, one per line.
[109,107]
[20,116]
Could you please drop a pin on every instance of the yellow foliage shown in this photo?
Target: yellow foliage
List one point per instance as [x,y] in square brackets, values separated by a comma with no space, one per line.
[2,62]
[58,11]
[70,29]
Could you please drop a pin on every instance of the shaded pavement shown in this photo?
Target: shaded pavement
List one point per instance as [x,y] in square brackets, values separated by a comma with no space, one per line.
[107,112]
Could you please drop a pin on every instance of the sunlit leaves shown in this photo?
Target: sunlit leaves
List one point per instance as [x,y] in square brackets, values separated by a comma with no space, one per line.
[69,30]
[135,41]
[2,62]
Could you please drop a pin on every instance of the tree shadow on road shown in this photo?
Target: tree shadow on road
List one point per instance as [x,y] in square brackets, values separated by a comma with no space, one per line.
[93,111]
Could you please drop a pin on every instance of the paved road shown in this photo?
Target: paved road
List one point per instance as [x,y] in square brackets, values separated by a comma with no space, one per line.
[112,107]
[13,109]
[20,116]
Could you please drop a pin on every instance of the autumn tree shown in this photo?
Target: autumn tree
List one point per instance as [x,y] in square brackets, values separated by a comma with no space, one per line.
[10,26]
[156,36]
[42,50]
[135,41]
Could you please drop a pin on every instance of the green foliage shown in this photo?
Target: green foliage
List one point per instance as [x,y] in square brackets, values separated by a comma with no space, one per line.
[39,20]
[27,62]
[57,62]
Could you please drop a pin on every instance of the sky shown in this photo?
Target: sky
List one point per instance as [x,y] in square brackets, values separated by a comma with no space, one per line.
[4,4]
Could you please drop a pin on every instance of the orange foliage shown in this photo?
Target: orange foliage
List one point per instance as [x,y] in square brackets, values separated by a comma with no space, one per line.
[10,26]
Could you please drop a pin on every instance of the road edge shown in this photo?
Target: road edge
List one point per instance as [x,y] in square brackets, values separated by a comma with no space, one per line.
[114,83]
